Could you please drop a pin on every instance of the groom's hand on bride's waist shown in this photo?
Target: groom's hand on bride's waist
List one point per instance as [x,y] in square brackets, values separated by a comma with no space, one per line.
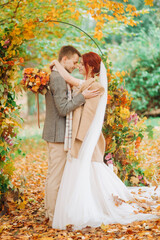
[90,93]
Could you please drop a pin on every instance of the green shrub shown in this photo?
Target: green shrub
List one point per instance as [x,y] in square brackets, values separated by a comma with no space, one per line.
[141,58]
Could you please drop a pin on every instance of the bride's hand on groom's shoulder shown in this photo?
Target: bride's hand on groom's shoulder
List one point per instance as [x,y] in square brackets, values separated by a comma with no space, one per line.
[52,64]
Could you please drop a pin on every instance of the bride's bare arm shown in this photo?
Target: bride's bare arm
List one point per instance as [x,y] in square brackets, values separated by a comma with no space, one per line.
[67,77]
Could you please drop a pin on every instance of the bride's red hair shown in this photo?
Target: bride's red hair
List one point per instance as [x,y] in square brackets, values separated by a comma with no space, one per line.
[93,60]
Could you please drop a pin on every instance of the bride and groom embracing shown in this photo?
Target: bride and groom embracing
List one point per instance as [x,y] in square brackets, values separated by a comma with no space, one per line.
[81,189]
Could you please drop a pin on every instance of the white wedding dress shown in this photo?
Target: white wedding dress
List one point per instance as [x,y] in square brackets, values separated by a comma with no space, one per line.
[88,191]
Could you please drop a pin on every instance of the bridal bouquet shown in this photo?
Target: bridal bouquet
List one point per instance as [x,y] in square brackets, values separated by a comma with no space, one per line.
[35,80]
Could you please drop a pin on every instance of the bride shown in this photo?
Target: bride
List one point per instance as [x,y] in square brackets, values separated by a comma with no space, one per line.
[90,192]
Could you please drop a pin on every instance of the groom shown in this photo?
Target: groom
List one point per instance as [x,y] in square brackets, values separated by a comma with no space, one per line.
[57,107]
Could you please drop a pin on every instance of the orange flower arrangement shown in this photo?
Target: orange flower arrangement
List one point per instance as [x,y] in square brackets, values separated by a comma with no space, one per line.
[35,80]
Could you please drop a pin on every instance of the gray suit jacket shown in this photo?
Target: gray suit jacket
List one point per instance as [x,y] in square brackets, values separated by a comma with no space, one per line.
[57,107]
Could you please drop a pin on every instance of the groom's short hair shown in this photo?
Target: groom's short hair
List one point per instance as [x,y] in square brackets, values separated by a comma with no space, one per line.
[67,51]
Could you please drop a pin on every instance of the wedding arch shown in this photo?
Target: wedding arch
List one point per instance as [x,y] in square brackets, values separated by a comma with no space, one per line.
[15,32]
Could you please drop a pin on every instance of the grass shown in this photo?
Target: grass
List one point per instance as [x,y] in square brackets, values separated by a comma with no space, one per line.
[30,130]
[155,122]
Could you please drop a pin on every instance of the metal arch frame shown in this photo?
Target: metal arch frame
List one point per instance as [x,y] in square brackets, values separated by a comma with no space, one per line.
[70,24]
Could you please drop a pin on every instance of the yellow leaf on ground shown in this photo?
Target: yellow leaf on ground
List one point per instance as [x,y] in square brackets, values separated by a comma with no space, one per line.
[1,229]
[158,208]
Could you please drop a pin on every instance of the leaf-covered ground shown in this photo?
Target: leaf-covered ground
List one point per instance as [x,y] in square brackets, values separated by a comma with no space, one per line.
[26,219]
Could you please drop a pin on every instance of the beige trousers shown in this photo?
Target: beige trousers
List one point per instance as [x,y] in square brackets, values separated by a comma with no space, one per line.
[56,164]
